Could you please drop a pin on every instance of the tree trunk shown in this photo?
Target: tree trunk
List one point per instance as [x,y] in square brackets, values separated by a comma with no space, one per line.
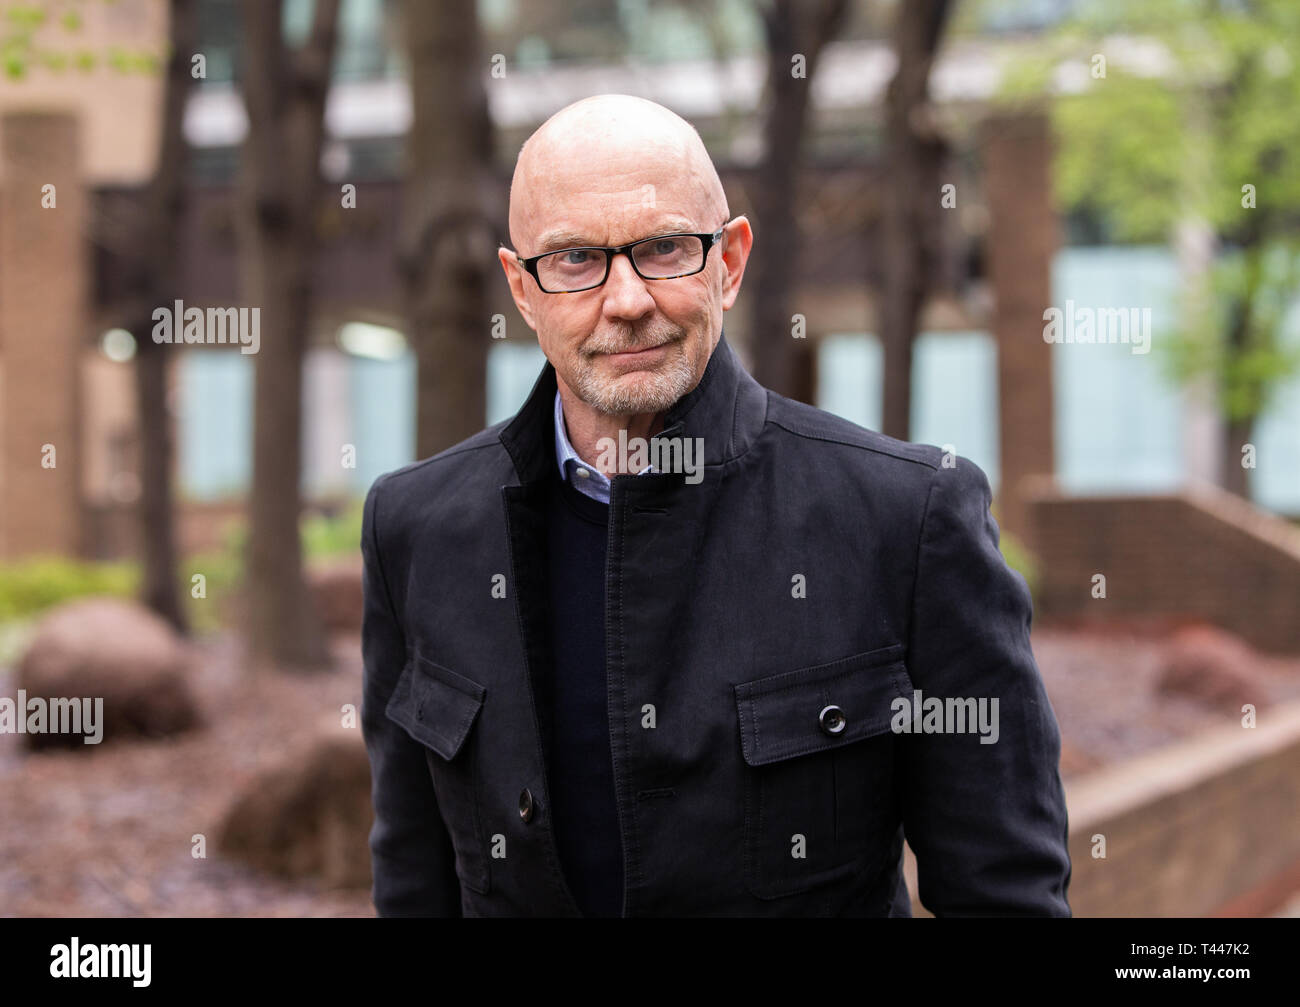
[1236,477]
[285,94]
[446,252]
[910,226]
[791,30]
[159,588]
[156,256]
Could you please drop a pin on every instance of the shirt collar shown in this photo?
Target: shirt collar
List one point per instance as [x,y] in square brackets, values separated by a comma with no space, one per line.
[593,483]
[727,410]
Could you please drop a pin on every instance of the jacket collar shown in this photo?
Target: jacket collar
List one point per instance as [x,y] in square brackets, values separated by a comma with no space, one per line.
[726,410]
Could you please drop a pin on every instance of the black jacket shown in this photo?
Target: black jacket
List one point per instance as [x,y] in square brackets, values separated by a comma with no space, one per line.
[816,565]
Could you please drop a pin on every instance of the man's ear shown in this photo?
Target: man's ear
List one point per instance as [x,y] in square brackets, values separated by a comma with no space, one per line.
[516,277]
[738,241]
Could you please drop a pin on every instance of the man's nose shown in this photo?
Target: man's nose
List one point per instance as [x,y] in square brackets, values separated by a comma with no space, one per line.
[626,293]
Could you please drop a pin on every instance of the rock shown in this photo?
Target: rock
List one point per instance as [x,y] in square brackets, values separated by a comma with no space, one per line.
[336,588]
[309,815]
[117,651]
[1212,667]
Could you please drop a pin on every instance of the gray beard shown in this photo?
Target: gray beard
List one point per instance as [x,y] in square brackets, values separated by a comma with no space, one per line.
[644,392]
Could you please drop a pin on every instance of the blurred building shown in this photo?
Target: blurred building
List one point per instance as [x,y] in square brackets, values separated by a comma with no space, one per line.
[1113,422]
[66,419]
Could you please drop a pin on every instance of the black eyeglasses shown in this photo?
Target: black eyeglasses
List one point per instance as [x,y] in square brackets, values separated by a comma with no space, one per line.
[663,257]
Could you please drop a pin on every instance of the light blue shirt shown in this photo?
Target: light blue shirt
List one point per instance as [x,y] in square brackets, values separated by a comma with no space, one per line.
[586,479]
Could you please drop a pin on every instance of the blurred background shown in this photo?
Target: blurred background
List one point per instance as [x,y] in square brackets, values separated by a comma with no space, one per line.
[1058,238]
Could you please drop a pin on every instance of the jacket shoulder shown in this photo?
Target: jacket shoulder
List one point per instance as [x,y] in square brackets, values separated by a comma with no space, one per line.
[419,478]
[811,423]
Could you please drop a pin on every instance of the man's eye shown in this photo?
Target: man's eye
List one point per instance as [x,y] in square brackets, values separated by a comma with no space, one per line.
[664,246]
[576,257]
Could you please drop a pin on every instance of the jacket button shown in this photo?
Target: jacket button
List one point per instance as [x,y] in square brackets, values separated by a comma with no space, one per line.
[832,721]
[526,804]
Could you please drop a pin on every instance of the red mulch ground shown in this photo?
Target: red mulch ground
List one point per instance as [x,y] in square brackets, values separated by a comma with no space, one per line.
[110,834]
[1101,683]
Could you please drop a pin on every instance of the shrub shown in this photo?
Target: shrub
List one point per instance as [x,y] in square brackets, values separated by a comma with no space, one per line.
[325,536]
[28,587]
[31,585]
[1019,559]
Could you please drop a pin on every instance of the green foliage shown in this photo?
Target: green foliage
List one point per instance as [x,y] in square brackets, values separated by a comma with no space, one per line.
[1198,128]
[323,537]
[14,638]
[25,16]
[1260,283]
[28,587]
[27,41]
[223,570]
[32,585]
[1123,165]
[1019,559]
[340,535]
[1148,147]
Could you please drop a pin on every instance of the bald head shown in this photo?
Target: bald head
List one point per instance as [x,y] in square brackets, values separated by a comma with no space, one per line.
[609,172]
[618,148]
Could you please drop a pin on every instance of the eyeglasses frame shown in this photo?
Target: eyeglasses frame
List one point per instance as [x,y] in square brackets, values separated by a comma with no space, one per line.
[707,240]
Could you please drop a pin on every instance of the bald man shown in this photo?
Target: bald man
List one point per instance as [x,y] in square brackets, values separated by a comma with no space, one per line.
[668,643]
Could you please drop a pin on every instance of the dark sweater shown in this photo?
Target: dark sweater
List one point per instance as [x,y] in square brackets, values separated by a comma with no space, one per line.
[581,773]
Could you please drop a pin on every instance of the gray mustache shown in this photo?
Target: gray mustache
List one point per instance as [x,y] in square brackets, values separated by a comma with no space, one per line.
[633,348]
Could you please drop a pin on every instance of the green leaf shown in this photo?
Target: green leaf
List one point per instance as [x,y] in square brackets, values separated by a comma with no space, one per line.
[25,17]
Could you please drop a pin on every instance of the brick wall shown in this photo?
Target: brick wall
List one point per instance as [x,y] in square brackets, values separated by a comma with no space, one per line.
[1208,826]
[118,112]
[1202,555]
[43,297]
[1190,828]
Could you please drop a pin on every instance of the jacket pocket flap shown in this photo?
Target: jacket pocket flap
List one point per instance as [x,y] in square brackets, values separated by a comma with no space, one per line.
[435,706]
[787,715]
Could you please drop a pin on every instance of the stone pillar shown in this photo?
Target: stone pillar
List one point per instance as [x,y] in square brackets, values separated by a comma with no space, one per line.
[43,318]
[1022,238]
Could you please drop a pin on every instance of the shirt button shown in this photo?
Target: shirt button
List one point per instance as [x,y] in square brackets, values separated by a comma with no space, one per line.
[832,721]
[526,805]
[581,472]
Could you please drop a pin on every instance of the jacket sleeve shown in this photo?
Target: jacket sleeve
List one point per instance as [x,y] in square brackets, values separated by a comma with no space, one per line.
[410,852]
[987,821]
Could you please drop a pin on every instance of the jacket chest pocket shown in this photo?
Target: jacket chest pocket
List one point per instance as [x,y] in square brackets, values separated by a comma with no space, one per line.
[818,751]
[438,708]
